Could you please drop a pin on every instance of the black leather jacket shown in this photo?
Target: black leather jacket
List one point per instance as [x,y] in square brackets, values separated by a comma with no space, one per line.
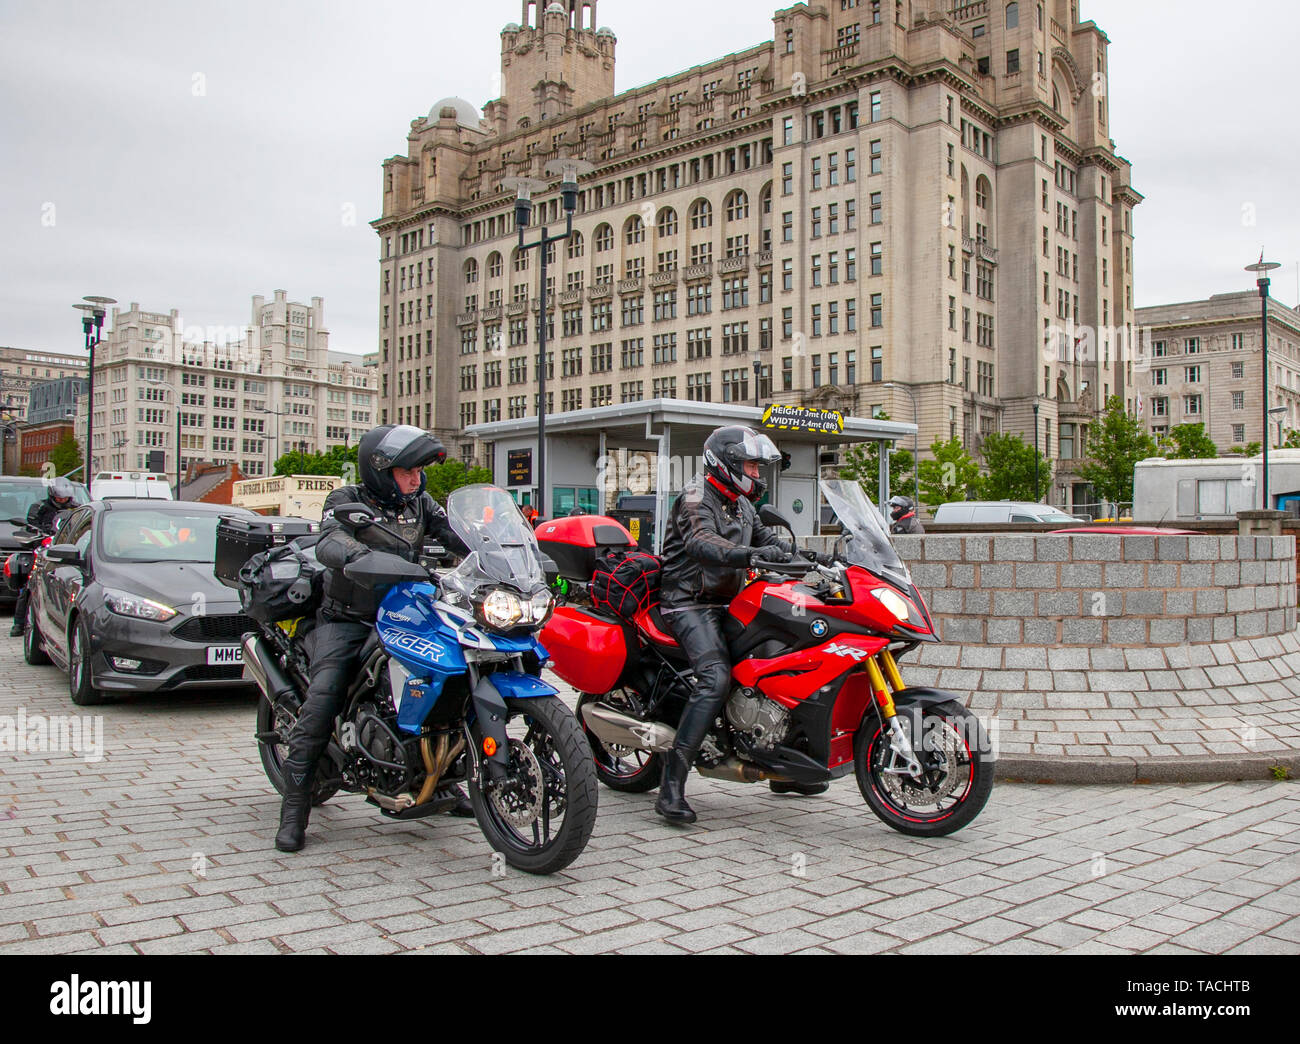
[907,524]
[707,543]
[424,522]
[44,515]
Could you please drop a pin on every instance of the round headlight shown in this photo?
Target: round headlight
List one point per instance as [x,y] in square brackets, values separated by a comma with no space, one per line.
[502,609]
[541,605]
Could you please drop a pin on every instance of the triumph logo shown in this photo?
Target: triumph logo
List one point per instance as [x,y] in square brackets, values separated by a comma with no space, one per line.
[847,650]
[102,998]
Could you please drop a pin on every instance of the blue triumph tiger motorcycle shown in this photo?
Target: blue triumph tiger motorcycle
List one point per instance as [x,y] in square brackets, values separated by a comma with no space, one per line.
[448,691]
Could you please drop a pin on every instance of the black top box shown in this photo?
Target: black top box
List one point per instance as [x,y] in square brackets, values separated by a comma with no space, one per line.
[239,539]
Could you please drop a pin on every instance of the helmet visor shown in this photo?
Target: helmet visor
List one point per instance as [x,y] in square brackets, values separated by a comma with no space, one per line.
[756,446]
[406,446]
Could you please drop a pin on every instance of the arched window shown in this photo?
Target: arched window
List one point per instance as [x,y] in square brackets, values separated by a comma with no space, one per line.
[471,271]
[494,265]
[983,192]
[765,200]
[525,122]
[634,230]
[737,206]
[1056,99]
[666,221]
[701,214]
[604,238]
[576,245]
[1013,15]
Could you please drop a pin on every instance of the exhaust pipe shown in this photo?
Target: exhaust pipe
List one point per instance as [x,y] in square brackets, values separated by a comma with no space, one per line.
[738,771]
[613,727]
[270,677]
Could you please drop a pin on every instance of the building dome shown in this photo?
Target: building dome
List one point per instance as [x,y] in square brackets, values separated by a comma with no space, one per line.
[556,8]
[512,27]
[606,31]
[466,114]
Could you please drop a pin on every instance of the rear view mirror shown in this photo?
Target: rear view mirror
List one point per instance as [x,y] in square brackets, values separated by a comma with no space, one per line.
[773,519]
[354,516]
[69,554]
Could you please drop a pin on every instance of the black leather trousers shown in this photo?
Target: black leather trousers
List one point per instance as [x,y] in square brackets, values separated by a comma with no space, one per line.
[699,632]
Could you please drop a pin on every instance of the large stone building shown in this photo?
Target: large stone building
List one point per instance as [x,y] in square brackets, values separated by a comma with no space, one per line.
[21,369]
[1202,365]
[262,389]
[883,204]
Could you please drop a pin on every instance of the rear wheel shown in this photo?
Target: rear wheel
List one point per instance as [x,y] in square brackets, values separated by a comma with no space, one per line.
[541,816]
[627,769]
[273,727]
[33,642]
[957,759]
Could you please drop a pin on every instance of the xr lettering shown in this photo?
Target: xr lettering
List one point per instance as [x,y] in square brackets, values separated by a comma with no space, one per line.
[836,649]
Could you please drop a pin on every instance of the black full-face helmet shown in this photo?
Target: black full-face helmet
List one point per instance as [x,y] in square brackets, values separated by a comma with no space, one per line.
[395,446]
[727,450]
[899,507]
[61,492]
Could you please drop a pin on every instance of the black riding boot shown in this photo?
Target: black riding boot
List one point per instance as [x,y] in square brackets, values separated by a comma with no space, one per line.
[296,807]
[672,788]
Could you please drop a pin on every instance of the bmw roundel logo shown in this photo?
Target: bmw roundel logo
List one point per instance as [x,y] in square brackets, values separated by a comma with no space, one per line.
[819,627]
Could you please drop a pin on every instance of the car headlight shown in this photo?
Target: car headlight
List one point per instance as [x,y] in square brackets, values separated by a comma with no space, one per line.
[126,604]
[502,609]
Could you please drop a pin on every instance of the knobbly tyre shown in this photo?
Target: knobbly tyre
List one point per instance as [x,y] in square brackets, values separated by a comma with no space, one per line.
[448,691]
[817,689]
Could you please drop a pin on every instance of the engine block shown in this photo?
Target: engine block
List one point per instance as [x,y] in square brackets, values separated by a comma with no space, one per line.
[764,721]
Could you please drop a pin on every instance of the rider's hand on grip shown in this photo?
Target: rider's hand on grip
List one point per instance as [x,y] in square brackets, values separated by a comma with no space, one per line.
[767,555]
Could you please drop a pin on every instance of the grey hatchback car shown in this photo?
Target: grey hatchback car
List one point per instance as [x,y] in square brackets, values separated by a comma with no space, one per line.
[125,600]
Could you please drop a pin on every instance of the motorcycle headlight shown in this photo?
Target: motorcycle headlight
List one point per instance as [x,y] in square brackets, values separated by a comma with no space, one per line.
[894,602]
[542,603]
[126,604]
[502,609]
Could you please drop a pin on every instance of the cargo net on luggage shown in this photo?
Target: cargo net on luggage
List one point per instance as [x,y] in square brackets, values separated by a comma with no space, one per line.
[625,582]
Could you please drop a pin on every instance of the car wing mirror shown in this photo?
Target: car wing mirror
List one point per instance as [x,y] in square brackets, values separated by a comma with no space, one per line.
[68,554]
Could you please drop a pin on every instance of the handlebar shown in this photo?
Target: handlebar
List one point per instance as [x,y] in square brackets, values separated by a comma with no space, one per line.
[797,567]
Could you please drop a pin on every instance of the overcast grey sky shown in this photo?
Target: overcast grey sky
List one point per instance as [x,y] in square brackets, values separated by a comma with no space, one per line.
[190,155]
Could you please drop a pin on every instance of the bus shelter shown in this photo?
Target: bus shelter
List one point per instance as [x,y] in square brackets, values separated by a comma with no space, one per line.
[653,448]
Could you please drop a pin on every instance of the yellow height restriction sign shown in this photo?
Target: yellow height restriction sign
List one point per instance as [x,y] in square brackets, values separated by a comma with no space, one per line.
[803,418]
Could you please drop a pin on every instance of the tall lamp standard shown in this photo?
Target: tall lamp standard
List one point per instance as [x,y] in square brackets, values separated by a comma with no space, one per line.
[916,452]
[1035,452]
[568,170]
[276,440]
[1277,413]
[92,323]
[1261,268]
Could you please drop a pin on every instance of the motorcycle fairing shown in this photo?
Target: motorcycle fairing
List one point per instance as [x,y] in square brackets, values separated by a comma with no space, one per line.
[489,719]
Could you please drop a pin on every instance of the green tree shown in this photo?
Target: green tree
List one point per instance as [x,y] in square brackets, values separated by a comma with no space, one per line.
[1010,461]
[1189,442]
[862,465]
[66,456]
[952,475]
[1115,443]
[441,479]
[335,462]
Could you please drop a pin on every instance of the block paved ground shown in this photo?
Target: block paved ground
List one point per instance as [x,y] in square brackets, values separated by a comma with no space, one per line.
[164,846]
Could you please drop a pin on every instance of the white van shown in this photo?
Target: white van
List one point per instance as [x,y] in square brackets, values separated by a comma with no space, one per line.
[1000,511]
[130,485]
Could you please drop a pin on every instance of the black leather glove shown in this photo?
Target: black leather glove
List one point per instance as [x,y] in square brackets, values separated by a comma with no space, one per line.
[763,555]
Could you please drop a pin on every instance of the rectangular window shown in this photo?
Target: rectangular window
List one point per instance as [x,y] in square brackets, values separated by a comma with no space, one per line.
[875,106]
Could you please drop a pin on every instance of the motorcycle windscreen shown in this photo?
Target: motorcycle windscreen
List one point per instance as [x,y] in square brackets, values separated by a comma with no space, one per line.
[502,546]
[866,537]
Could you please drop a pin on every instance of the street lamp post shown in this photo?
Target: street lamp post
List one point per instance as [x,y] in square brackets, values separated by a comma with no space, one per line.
[267,438]
[1277,413]
[758,369]
[92,323]
[1036,453]
[568,170]
[1261,268]
[916,452]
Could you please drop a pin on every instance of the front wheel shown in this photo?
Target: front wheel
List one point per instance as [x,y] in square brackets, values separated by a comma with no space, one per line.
[954,751]
[541,815]
[273,727]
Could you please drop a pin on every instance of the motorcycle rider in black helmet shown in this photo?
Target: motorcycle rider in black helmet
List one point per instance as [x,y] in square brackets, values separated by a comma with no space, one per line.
[713,535]
[391,460]
[43,516]
[902,513]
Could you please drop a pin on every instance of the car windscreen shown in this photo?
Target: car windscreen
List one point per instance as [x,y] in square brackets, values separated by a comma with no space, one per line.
[157,536]
[17,497]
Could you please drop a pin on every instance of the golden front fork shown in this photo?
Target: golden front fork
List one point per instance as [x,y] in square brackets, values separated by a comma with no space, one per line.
[885,679]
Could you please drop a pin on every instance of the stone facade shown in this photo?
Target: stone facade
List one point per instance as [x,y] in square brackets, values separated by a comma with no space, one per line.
[880,193]
[246,393]
[21,369]
[1201,364]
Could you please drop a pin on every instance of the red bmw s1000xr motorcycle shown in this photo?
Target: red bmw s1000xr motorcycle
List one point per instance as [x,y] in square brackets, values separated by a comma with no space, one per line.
[817,691]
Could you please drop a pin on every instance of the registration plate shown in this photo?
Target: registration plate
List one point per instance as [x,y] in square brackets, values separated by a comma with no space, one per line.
[225,654]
